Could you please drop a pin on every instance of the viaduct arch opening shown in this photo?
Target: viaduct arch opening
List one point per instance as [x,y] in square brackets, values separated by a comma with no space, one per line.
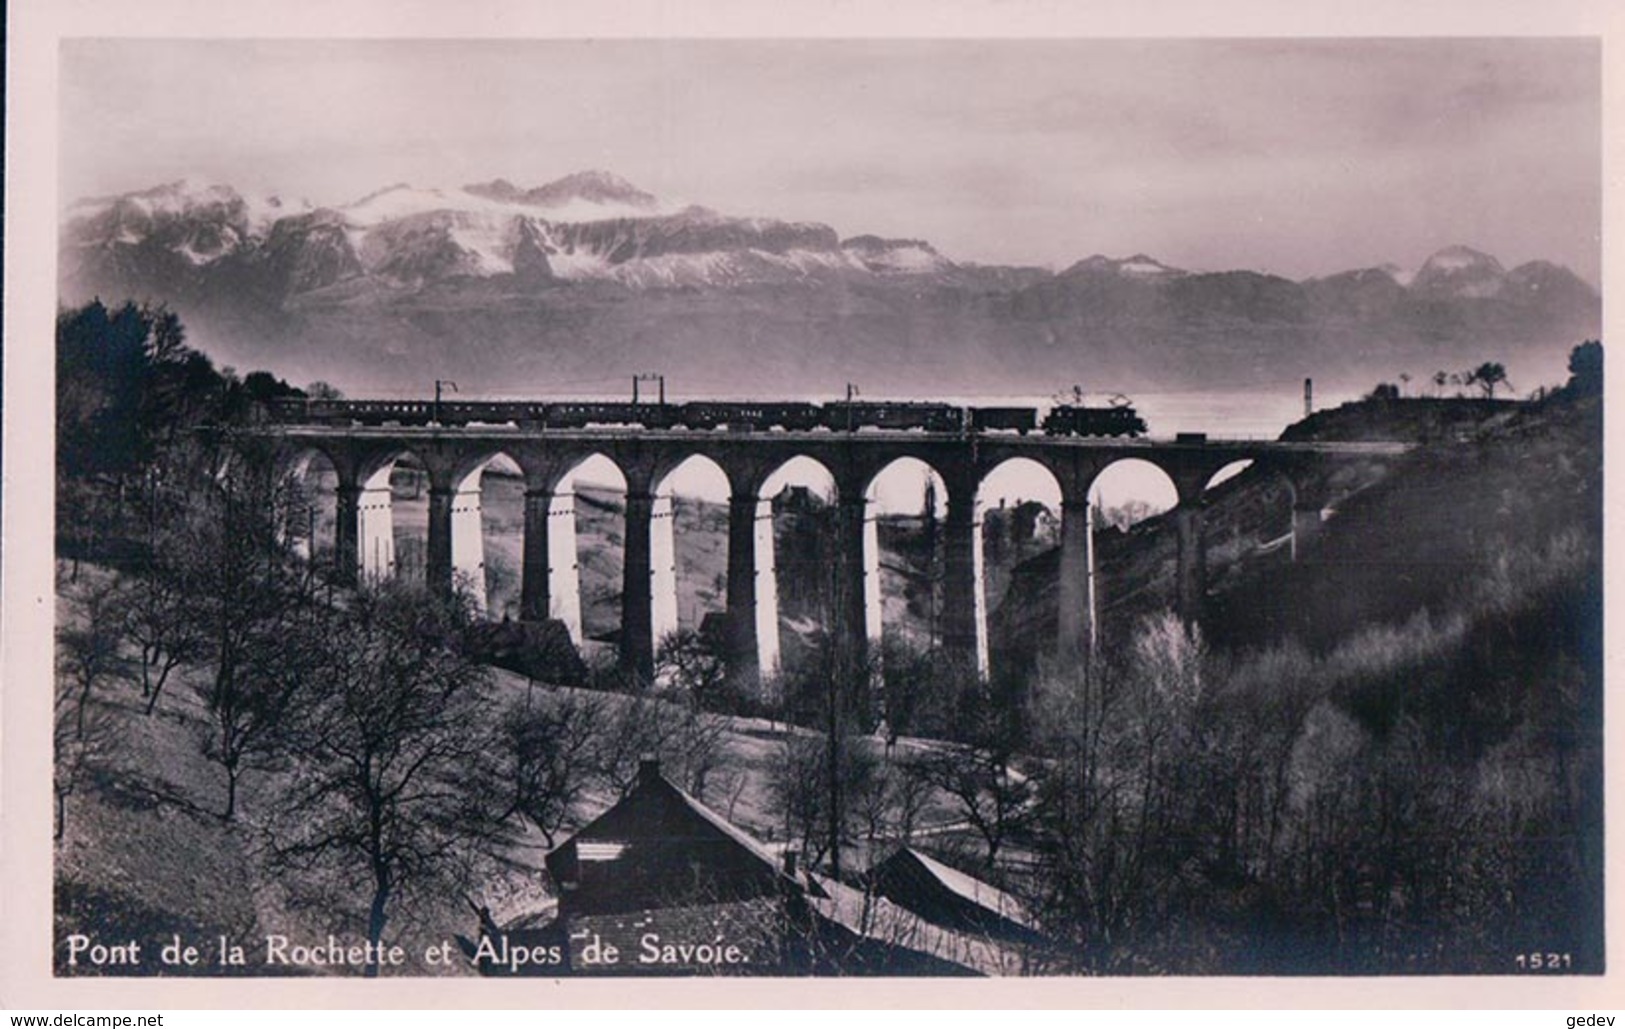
[487,534]
[688,546]
[310,525]
[796,590]
[1122,495]
[1225,543]
[1018,517]
[393,520]
[904,542]
[587,533]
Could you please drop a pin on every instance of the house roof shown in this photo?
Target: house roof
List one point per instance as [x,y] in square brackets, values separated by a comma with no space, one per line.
[968,887]
[655,787]
[879,919]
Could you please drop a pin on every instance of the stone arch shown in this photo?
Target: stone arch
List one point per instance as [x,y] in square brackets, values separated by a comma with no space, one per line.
[800,483]
[900,491]
[393,484]
[311,478]
[1259,518]
[293,457]
[487,530]
[1227,472]
[1310,495]
[1019,514]
[798,469]
[1122,494]
[588,594]
[1128,490]
[695,477]
[1190,470]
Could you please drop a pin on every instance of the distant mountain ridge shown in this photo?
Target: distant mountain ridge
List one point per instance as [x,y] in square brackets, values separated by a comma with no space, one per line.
[495,276]
[598,187]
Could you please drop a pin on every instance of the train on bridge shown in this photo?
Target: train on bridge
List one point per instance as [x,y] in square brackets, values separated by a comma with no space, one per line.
[1115,419]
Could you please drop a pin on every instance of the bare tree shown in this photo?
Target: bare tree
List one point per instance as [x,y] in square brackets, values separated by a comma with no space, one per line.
[249,608]
[797,784]
[155,622]
[869,790]
[547,745]
[690,666]
[1117,795]
[83,736]
[990,794]
[88,650]
[686,740]
[394,787]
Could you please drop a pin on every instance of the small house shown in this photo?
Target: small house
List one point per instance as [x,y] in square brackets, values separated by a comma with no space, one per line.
[661,885]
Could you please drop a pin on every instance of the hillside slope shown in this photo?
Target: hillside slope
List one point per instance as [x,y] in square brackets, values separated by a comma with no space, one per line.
[1402,536]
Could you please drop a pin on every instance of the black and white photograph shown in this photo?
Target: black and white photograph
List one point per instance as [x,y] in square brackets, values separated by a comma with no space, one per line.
[911,507]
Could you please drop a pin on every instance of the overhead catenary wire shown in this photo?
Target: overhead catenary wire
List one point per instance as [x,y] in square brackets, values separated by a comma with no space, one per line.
[706,387]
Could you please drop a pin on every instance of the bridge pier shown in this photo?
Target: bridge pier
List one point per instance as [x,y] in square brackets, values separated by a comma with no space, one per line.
[377,528]
[637,574]
[743,653]
[346,530]
[1306,526]
[984,661]
[549,584]
[1075,608]
[852,577]
[873,622]
[767,591]
[663,568]
[535,589]
[438,564]
[1191,567]
[1310,495]
[562,574]
[468,540]
[963,632]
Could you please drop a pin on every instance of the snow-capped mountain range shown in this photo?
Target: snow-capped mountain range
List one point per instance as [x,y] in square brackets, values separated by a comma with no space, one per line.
[392,269]
[587,226]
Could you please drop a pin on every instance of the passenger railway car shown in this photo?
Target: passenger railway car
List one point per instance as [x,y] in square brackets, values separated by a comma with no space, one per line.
[709,414]
[704,415]
[852,415]
[570,414]
[358,412]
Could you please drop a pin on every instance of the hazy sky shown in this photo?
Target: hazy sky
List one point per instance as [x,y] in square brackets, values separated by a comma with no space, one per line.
[1295,157]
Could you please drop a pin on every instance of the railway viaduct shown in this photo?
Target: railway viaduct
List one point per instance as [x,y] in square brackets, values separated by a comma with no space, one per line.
[454,458]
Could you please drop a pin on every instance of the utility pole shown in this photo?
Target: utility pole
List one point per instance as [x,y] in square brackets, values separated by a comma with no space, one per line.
[1308,397]
[649,377]
[438,384]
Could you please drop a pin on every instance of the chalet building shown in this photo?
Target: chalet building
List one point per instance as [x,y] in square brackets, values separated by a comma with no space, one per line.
[661,885]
